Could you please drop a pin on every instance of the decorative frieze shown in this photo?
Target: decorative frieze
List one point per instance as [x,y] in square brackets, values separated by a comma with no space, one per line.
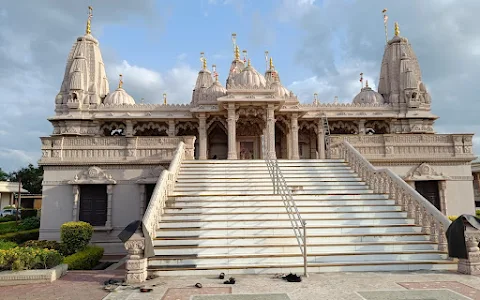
[107,150]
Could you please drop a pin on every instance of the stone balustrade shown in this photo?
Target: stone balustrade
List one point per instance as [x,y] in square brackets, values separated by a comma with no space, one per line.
[384,181]
[419,147]
[137,246]
[87,150]
[471,265]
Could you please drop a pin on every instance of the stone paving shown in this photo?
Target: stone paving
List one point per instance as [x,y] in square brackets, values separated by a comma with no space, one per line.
[75,285]
[326,286]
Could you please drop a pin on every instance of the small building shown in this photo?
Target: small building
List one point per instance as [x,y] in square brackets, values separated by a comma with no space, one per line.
[7,193]
[476,182]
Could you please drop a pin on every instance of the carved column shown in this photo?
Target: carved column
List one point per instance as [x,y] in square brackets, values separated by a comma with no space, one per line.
[171,127]
[271,131]
[136,264]
[202,134]
[294,131]
[361,127]
[442,189]
[321,140]
[232,132]
[76,201]
[289,144]
[471,266]
[108,223]
[142,200]
[129,128]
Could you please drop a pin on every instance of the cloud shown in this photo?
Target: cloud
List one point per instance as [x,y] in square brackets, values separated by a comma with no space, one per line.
[290,10]
[141,82]
[13,158]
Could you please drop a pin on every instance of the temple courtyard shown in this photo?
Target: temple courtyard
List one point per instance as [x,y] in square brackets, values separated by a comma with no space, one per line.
[328,286]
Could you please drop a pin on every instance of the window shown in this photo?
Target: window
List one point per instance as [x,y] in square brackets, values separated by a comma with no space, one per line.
[93,204]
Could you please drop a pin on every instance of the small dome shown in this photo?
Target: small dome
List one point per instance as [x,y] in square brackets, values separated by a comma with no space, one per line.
[280,90]
[249,78]
[216,89]
[368,96]
[119,97]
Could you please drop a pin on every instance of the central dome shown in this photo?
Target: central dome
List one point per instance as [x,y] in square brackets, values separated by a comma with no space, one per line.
[119,97]
[368,96]
[249,78]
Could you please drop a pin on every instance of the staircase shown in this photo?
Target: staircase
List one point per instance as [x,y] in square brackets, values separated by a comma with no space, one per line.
[222,217]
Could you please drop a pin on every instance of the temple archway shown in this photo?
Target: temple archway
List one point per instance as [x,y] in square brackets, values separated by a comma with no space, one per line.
[217,141]
[281,132]
[249,132]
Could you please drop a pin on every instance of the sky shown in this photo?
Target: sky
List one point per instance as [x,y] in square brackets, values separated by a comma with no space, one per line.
[318,46]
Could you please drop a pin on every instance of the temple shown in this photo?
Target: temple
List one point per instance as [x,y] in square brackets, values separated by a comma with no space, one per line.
[106,153]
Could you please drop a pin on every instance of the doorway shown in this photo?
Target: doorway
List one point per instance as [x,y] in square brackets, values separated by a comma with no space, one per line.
[93,204]
[148,194]
[429,190]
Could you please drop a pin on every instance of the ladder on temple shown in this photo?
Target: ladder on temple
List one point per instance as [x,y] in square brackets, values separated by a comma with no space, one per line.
[326,130]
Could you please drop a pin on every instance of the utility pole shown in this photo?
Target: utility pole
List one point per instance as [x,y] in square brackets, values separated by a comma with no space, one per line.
[18,198]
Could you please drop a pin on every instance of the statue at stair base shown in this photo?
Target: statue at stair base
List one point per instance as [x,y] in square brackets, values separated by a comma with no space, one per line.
[137,262]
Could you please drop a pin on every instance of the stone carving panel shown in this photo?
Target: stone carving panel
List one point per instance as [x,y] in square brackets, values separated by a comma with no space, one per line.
[93,175]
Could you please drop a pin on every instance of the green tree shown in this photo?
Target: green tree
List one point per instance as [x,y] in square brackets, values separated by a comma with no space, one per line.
[3,176]
[32,178]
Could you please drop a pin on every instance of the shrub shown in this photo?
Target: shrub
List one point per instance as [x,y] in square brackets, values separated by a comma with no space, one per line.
[4,245]
[7,227]
[53,245]
[30,223]
[86,259]
[28,213]
[75,236]
[21,258]
[7,219]
[452,218]
[20,237]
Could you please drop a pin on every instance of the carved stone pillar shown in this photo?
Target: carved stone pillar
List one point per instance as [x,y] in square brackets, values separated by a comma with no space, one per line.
[361,127]
[189,147]
[108,223]
[271,131]
[320,140]
[129,128]
[294,131]
[471,266]
[136,264]
[76,202]
[202,135]
[232,132]
[142,200]
[289,144]
[171,128]
[442,189]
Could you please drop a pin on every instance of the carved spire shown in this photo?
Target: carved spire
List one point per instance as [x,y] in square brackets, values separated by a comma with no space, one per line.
[89,20]
[120,82]
[397,29]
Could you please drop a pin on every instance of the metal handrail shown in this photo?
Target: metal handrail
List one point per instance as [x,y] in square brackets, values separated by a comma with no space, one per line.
[281,188]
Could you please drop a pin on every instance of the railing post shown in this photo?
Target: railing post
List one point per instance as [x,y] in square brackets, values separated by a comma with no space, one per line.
[136,264]
[305,261]
[471,265]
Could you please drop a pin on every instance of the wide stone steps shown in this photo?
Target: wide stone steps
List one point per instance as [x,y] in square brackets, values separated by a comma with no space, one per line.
[223,216]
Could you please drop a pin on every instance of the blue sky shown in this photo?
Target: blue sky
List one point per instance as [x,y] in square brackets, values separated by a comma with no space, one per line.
[317,46]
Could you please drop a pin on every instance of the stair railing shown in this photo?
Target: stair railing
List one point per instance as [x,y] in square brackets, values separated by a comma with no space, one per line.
[326,132]
[384,181]
[140,245]
[281,188]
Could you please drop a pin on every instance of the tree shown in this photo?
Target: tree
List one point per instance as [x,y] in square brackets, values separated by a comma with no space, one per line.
[3,176]
[31,177]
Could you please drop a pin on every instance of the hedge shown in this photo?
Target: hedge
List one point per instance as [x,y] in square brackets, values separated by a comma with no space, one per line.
[53,245]
[20,258]
[86,259]
[21,237]
[28,213]
[7,227]
[75,236]
[7,218]
[4,245]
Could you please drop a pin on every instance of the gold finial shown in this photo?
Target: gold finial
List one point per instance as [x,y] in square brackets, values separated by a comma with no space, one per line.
[397,29]
[214,70]
[271,64]
[237,53]
[385,20]
[164,98]
[249,62]
[203,60]
[89,21]
[120,82]
[235,47]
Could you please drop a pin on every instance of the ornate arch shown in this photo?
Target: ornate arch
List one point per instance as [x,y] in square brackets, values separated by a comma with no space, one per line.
[186,128]
[250,127]
[379,126]
[150,129]
[308,125]
[113,128]
[216,121]
[343,127]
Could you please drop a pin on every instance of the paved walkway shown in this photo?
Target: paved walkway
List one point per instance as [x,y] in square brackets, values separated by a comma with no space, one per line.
[327,286]
[81,285]
[76,285]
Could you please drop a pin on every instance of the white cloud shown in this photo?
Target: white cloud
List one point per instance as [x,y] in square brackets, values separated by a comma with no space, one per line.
[293,9]
[13,158]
